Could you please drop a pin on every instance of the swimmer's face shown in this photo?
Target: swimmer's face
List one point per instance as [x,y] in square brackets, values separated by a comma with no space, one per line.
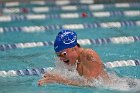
[68,56]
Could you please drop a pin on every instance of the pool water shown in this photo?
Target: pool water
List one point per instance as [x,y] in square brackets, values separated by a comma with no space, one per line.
[40,57]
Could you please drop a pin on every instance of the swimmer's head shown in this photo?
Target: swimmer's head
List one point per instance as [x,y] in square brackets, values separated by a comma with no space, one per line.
[65,39]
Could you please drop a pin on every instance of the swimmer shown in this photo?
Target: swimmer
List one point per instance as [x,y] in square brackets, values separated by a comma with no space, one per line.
[87,61]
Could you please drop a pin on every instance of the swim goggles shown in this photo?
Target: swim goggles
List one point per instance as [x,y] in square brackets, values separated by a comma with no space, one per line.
[62,54]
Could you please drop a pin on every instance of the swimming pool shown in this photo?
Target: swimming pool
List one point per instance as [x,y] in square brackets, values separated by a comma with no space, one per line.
[27,33]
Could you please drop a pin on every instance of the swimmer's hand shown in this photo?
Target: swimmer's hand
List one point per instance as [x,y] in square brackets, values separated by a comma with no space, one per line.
[47,78]
[44,81]
[41,82]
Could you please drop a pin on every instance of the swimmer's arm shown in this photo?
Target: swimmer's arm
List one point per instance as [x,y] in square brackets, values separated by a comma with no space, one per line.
[61,80]
[70,82]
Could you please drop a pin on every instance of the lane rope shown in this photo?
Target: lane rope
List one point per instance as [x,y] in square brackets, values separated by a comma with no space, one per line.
[29,29]
[99,41]
[93,7]
[39,71]
[48,2]
[56,3]
[128,13]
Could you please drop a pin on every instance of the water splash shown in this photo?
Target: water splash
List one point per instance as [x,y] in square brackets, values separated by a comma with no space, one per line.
[123,83]
[116,83]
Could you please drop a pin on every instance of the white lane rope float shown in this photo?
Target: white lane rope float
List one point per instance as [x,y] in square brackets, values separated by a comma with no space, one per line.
[99,41]
[39,71]
[128,13]
[93,7]
[29,29]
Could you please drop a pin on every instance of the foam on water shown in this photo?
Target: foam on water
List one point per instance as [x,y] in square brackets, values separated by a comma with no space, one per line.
[123,83]
[116,83]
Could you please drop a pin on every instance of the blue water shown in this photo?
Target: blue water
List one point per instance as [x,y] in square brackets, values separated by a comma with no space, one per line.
[39,57]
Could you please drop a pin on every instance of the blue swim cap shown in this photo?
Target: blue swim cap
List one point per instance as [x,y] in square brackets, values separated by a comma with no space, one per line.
[65,39]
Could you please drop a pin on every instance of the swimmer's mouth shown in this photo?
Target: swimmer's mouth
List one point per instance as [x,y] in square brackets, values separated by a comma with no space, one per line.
[66,61]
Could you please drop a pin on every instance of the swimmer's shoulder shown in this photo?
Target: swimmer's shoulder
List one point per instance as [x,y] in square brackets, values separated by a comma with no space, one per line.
[92,55]
[89,51]
[89,54]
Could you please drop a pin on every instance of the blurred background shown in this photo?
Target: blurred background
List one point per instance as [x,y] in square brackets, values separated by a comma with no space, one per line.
[28,29]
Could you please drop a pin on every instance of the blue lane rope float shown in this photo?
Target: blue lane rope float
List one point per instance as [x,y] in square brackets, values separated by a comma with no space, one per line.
[39,71]
[99,41]
[45,9]
[128,13]
[28,29]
